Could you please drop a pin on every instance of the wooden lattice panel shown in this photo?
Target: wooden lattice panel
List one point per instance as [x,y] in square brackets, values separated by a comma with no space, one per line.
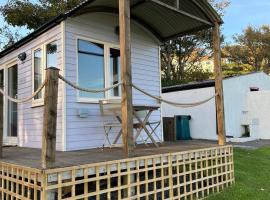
[17,182]
[184,175]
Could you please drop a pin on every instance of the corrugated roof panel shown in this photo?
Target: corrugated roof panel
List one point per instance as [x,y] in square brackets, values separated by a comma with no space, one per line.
[169,2]
[166,22]
[190,7]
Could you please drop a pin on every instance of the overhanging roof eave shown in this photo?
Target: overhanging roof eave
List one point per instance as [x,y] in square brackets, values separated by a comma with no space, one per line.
[191,31]
[205,23]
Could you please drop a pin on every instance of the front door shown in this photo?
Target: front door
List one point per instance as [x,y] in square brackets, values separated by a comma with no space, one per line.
[12,115]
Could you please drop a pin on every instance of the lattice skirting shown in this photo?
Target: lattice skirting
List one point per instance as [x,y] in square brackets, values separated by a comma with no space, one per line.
[183,175]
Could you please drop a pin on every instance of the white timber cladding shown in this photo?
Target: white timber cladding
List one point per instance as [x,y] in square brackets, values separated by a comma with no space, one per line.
[83,133]
[203,117]
[238,100]
[30,116]
[73,132]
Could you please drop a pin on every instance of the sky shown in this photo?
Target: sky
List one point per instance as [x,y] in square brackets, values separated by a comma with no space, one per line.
[242,13]
[238,15]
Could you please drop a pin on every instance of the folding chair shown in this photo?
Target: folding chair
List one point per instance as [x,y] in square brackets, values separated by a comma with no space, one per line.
[153,125]
[108,110]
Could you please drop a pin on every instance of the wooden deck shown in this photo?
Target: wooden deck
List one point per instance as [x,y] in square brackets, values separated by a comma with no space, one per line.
[181,170]
[29,157]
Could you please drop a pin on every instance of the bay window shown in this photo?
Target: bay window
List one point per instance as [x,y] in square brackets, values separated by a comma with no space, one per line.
[98,67]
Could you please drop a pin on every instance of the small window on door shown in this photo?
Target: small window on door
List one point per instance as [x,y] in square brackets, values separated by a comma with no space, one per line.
[1,78]
[38,72]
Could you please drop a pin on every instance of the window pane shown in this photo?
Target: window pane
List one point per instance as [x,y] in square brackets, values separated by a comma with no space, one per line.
[51,52]
[115,71]
[91,71]
[37,72]
[1,102]
[91,47]
[1,79]
[12,114]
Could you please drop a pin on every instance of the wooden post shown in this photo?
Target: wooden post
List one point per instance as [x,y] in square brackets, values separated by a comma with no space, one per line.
[125,49]
[50,118]
[218,85]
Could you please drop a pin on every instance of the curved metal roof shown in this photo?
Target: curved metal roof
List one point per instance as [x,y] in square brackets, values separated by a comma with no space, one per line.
[163,18]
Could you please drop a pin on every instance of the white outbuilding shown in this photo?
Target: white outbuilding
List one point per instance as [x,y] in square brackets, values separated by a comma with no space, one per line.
[246,106]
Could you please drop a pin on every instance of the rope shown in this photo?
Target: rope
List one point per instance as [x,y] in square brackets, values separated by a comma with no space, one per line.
[183,105]
[25,99]
[88,89]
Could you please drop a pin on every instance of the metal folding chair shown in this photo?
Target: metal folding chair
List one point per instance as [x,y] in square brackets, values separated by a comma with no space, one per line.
[152,125]
[110,111]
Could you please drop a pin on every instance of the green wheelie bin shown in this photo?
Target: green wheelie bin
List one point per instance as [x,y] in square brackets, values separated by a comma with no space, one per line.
[182,127]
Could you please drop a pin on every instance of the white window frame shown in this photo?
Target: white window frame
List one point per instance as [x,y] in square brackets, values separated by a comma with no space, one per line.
[8,140]
[107,47]
[42,47]
[38,102]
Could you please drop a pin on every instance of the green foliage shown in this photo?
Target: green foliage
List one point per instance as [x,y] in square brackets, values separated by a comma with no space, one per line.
[8,36]
[181,58]
[35,13]
[235,69]
[29,14]
[251,49]
[194,74]
[252,174]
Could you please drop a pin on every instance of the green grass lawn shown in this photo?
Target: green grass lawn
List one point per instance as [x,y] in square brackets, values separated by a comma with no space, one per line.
[252,174]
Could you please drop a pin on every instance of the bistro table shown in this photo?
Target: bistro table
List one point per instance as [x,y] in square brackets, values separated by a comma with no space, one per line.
[141,124]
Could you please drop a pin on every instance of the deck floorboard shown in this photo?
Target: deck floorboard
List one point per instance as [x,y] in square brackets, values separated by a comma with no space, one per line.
[30,157]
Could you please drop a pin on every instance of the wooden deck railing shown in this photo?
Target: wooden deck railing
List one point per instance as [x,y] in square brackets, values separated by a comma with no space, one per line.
[183,175]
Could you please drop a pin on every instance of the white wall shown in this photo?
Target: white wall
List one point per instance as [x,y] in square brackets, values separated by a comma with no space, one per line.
[235,90]
[235,96]
[30,119]
[203,117]
[258,104]
[82,133]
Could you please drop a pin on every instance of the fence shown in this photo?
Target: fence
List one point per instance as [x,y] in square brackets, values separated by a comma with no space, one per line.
[183,175]
[18,182]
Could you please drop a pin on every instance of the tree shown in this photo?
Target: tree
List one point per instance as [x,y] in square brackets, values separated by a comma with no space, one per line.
[8,36]
[35,13]
[251,49]
[180,58]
